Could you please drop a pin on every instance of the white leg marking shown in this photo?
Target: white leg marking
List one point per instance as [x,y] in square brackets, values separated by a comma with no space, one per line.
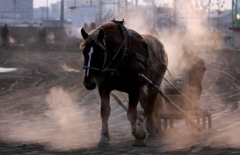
[104,139]
[89,60]
[144,122]
[104,128]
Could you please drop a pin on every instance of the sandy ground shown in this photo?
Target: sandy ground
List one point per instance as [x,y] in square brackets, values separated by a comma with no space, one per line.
[45,109]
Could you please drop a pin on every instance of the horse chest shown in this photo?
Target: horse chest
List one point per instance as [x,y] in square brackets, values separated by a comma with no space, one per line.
[121,82]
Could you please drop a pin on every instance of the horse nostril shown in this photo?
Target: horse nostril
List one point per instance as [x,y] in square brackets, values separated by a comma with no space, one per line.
[90,86]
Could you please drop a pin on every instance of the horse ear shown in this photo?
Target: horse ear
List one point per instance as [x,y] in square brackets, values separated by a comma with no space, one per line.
[100,35]
[84,34]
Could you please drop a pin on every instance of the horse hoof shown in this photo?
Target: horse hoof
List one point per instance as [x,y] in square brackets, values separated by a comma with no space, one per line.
[103,146]
[152,138]
[141,134]
[139,143]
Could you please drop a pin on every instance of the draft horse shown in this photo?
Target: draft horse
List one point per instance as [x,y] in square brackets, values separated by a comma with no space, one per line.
[113,58]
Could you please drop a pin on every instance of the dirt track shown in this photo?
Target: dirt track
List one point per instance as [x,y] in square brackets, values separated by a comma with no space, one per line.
[45,109]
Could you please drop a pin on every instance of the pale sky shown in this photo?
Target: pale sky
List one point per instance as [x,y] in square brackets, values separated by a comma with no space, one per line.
[39,3]
[227,5]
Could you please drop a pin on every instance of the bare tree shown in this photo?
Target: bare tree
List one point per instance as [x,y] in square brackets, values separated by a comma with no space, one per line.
[220,4]
[206,7]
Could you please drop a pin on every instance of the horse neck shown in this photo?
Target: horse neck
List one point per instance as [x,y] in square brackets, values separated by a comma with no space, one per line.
[115,45]
[113,35]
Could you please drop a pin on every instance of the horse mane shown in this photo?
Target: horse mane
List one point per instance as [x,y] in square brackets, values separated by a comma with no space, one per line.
[91,36]
[94,34]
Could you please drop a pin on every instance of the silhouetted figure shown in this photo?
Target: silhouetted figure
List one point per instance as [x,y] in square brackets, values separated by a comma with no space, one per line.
[42,33]
[5,36]
[85,27]
[92,26]
[195,68]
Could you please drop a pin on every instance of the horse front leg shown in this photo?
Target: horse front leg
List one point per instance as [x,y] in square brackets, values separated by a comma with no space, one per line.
[138,131]
[105,113]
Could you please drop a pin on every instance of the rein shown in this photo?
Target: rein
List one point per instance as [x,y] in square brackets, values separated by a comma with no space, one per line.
[105,58]
[156,56]
[126,52]
[117,53]
[104,69]
[134,55]
[181,93]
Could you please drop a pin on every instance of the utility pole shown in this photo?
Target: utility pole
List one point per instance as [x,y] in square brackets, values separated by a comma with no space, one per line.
[220,5]
[100,12]
[126,6]
[47,10]
[62,13]
[175,12]
[14,12]
[209,13]
[118,7]
[136,4]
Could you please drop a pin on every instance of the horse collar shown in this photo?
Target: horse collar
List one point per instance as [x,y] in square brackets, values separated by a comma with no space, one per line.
[126,50]
[124,45]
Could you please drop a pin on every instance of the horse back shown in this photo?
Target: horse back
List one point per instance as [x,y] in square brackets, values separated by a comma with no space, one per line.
[156,49]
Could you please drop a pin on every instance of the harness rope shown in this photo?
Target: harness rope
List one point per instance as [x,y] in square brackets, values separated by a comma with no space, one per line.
[178,90]
[116,54]
[169,74]
[104,69]
[156,56]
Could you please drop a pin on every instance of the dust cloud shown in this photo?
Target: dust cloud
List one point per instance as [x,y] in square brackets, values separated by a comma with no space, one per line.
[62,125]
[191,26]
[60,128]
[51,37]
[201,39]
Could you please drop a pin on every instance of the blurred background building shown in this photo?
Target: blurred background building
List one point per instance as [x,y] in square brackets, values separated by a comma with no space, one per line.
[16,11]
[235,27]
[157,14]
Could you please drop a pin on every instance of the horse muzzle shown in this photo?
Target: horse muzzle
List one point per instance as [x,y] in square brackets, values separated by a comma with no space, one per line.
[89,86]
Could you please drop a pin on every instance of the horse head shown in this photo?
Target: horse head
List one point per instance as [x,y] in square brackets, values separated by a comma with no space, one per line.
[94,57]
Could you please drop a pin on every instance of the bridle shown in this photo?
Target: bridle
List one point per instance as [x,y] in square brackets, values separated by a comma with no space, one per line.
[105,67]
[105,51]
[126,52]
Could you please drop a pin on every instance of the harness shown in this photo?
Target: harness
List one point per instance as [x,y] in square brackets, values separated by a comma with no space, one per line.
[125,54]
[129,53]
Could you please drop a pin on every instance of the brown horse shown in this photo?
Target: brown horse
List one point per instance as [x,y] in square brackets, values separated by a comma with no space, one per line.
[113,58]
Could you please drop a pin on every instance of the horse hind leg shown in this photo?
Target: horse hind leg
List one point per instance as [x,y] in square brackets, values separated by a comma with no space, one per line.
[150,112]
[149,115]
[140,134]
[147,99]
[138,129]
